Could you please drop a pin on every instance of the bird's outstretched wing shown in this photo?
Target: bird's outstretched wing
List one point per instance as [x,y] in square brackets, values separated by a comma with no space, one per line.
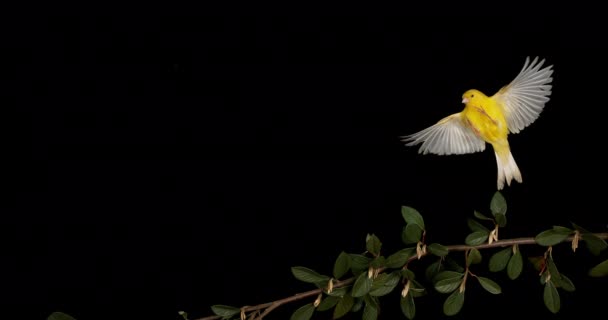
[524,98]
[448,136]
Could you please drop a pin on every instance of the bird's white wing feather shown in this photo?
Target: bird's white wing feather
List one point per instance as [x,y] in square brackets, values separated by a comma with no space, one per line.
[448,136]
[524,98]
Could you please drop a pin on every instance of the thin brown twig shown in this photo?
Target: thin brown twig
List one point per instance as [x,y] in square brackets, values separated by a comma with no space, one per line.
[270,306]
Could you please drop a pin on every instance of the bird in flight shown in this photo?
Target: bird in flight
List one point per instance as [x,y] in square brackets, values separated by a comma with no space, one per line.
[491,119]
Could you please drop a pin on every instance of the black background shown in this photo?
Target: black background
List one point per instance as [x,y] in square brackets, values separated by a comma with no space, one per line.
[171,163]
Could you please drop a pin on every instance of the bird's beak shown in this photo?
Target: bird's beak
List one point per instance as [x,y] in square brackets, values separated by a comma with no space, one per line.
[465,100]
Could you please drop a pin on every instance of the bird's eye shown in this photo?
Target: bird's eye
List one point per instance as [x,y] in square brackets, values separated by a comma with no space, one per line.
[472,95]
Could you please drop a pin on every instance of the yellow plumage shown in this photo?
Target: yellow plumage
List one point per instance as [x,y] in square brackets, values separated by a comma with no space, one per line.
[490,120]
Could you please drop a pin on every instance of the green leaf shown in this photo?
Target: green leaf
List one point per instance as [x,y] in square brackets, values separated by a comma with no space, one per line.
[62,316]
[550,237]
[342,265]
[551,297]
[416,289]
[359,263]
[501,220]
[498,205]
[358,305]
[437,249]
[474,225]
[225,311]
[408,274]
[448,285]
[566,284]
[384,284]
[379,262]
[600,270]
[500,259]
[408,307]
[476,238]
[579,228]
[594,244]
[399,258]
[412,216]
[451,264]
[343,306]
[373,244]
[474,257]
[447,281]
[563,230]
[453,303]
[433,269]
[490,286]
[481,216]
[362,285]
[339,292]
[411,234]
[328,303]
[555,275]
[304,312]
[370,312]
[308,275]
[515,265]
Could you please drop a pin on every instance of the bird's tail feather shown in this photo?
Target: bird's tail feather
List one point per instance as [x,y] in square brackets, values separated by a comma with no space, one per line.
[507,169]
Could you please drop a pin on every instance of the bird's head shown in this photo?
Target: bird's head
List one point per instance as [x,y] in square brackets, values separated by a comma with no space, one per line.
[472,96]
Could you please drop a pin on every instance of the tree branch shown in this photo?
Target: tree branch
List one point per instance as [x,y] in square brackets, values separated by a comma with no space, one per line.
[270,306]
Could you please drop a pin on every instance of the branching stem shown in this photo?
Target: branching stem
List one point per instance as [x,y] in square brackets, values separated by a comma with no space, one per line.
[270,306]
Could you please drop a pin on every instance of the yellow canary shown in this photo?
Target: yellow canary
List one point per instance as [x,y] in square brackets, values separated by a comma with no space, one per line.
[490,119]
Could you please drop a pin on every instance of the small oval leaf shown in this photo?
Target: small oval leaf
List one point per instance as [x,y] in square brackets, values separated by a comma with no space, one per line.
[476,238]
[359,263]
[447,281]
[474,257]
[384,284]
[500,259]
[481,216]
[362,285]
[490,286]
[408,307]
[412,216]
[594,244]
[328,303]
[60,316]
[498,205]
[304,312]
[339,292]
[225,311]
[476,226]
[501,220]
[342,265]
[399,258]
[373,244]
[551,297]
[563,230]
[437,249]
[370,312]
[566,284]
[412,233]
[600,270]
[433,269]
[343,306]
[307,275]
[550,238]
[453,303]
[515,265]
[448,285]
